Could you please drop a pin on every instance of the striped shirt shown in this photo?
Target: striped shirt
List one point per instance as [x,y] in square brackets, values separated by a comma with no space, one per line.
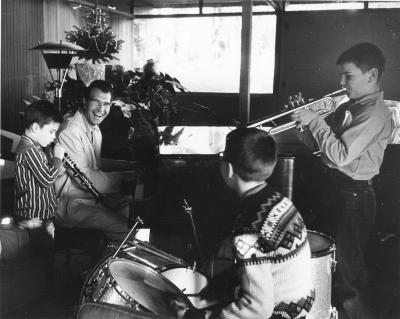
[34,187]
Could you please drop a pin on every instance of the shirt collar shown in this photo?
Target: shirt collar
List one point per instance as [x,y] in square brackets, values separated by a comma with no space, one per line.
[369,98]
[27,139]
[254,190]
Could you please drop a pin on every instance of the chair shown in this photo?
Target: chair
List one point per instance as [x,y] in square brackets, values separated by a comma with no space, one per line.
[394,107]
[9,143]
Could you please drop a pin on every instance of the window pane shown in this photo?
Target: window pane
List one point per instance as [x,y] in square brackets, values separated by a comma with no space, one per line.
[263,54]
[165,11]
[203,53]
[222,9]
[323,6]
[235,9]
[384,4]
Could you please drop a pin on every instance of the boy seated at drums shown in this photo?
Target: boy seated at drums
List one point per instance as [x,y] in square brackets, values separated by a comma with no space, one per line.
[269,269]
[36,200]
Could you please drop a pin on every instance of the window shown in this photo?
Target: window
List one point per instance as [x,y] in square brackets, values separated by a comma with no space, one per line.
[293,6]
[383,4]
[204,52]
[230,9]
[165,11]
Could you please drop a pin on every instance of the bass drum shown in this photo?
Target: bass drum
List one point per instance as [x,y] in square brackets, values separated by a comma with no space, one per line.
[323,265]
[106,286]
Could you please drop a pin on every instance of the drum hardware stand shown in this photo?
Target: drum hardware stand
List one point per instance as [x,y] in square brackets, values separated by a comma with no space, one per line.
[188,210]
[333,260]
[138,221]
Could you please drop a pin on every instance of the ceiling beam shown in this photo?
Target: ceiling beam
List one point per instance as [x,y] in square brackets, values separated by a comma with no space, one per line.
[274,4]
[104,8]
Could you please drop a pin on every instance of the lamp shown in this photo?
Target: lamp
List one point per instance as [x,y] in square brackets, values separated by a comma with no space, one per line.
[58,56]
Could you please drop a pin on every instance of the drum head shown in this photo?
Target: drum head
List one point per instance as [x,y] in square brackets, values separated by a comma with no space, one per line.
[147,287]
[320,244]
[190,282]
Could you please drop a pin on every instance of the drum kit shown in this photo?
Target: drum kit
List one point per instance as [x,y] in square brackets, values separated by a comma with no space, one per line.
[151,281]
[146,279]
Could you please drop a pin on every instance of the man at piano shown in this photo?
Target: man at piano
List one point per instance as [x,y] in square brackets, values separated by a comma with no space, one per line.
[267,259]
[81,137]
[352,141]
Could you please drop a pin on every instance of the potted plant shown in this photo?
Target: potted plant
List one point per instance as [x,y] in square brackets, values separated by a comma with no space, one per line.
[145,99]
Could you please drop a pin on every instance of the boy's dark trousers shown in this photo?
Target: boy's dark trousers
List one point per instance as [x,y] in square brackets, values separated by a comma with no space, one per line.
[348,212]
[42,246]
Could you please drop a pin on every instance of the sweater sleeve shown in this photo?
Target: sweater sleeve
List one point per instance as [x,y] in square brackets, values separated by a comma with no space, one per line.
[255,297]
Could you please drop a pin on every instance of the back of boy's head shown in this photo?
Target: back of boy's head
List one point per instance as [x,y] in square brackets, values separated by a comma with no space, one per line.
[365,56]
[252,153]
[41,112]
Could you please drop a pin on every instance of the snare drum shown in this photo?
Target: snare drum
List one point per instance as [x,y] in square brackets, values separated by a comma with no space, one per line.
[323,265]
[120,280]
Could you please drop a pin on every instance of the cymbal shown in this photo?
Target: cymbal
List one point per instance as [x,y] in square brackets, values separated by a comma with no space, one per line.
[148,287]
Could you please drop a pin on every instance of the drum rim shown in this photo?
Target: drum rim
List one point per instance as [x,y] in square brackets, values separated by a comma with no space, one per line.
[325,251]
[157,272]
[104,261]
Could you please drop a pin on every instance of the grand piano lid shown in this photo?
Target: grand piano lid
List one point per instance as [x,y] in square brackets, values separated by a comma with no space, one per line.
[187,141]
[195,140]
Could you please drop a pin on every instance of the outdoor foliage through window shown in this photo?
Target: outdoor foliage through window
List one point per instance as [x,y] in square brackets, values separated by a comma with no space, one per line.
[204,52]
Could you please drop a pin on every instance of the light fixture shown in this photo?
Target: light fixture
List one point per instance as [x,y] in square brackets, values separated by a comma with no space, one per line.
[58,56]
[77,7]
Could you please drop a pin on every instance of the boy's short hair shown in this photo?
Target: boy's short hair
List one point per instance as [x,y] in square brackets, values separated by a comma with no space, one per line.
[41,112]
[102,85]
[252,153]
[365,56]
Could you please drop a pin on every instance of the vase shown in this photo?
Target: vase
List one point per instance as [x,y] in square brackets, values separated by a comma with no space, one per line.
[88,72]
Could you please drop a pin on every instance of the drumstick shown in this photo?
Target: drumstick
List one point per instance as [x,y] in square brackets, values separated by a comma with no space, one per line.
[138,221]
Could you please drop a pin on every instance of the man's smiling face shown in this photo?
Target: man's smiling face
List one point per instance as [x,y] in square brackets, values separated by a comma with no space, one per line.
[97,106]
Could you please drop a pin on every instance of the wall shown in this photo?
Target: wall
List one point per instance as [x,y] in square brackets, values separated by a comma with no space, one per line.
[311,43]
[21,69]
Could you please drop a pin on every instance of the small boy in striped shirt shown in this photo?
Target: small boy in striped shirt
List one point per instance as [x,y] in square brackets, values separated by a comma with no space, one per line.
[36,200]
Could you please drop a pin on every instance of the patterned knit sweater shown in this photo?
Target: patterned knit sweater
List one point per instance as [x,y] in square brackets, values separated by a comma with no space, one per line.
[270,258]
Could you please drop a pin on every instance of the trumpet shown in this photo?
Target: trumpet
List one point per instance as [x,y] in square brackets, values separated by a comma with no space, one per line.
[323,106]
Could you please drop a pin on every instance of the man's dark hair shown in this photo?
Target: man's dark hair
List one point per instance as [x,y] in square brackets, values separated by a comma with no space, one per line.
[102,85]
[252,153]
[365,56]
[42,112]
